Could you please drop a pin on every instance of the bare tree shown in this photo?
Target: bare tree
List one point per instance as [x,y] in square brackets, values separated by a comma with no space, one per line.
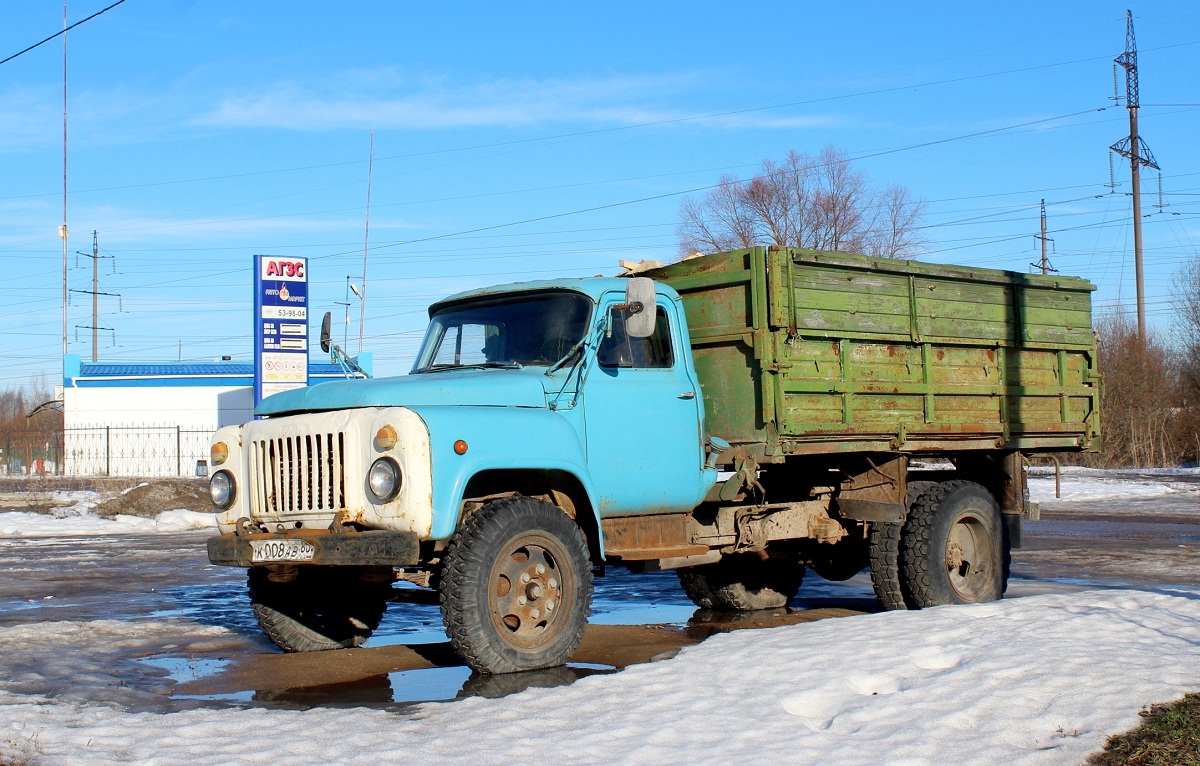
[820,202]
[1140,399]
[1186,299]
[28,433]
[783,201]
[720,222]
[841,200]
[895,229]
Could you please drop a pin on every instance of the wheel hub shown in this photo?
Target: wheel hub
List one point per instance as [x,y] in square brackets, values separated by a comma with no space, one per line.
[527,591]
[954,556]
[966,554]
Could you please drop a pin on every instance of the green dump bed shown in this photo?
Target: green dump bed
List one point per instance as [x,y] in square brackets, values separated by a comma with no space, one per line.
[803,352]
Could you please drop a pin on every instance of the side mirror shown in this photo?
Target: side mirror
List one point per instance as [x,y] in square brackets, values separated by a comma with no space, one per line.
[325,332]
[639,301]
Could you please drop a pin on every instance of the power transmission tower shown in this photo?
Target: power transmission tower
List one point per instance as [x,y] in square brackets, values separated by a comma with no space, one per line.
[96,293]
[1135,149]
[1045,264]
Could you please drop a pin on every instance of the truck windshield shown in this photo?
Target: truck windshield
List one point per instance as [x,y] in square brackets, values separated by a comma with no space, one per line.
[523,329]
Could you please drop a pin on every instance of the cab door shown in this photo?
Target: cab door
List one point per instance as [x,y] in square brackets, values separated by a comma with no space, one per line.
[642,418]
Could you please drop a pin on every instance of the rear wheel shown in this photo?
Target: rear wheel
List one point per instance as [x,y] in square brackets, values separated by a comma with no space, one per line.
[952,549]
[321,608]
[884,553]
[743,583]
[516,586]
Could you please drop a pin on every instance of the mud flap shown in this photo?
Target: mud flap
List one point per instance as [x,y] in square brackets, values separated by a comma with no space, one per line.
[1012,529]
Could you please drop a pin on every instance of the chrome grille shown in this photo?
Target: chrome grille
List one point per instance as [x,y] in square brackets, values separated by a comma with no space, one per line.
[291,474]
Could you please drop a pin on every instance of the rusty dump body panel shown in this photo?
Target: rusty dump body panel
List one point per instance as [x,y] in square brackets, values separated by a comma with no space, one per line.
[808,352]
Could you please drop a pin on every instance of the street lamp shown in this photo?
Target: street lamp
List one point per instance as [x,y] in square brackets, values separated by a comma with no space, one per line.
[362,307]
[350,288]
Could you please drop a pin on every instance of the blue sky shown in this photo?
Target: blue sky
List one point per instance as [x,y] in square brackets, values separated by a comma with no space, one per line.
[203,132]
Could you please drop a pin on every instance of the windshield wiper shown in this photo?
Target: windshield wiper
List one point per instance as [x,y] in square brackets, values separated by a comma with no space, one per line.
[475,366]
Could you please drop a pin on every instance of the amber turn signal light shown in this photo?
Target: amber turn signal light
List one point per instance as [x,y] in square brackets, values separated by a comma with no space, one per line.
[460,447]
[385,439]
[219,453]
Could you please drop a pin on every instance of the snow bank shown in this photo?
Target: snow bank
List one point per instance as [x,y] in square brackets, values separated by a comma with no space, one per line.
[1106,490]
[1041,489]
[1038,680]
[1079,470]
[26,524]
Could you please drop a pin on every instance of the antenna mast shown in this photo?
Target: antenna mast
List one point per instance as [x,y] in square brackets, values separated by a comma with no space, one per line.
[362,302]
[1135,149]
[62,230]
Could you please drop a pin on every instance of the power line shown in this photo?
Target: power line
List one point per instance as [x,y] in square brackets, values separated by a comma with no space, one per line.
[61,32]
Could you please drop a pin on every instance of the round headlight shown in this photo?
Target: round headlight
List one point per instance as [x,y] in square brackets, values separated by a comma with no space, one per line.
[221,488]
[384,479]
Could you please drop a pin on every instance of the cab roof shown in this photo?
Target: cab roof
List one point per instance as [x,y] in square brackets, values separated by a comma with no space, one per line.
[593,287]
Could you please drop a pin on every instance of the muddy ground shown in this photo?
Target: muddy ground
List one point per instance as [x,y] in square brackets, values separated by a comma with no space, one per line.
[117,496]
[166,579]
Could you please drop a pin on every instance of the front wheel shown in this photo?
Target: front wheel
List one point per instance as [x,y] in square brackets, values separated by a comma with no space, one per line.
[952,548]
[516,586]
[320,608]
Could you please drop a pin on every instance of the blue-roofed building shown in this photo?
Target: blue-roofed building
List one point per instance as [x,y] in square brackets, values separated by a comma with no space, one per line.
[156,418]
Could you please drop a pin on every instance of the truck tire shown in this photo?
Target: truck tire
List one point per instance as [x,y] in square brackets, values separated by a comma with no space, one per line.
[742,583]
[884,553]
[516,586]
[841,560]
[323,608]
[952,547]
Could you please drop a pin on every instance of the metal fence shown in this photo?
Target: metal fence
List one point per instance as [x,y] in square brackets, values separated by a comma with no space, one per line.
[136,451]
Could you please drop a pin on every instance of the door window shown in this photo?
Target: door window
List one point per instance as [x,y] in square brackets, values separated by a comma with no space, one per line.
[619,350]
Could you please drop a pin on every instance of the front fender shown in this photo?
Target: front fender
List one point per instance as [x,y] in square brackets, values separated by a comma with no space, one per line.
[497,438]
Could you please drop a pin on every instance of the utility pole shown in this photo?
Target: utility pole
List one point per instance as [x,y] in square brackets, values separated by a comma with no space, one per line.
[95,293]
[1045,264]
[1138,154]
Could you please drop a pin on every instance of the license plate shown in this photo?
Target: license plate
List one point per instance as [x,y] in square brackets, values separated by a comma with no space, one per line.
[281,550]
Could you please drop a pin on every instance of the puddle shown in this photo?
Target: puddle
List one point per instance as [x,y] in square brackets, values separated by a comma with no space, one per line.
[642,614]
[409,687]
[505,684]
[232,697]
[183,670]
[42,603]
[427,685]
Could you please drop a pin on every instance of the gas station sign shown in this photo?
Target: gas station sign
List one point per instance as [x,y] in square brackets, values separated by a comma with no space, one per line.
[280,325]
